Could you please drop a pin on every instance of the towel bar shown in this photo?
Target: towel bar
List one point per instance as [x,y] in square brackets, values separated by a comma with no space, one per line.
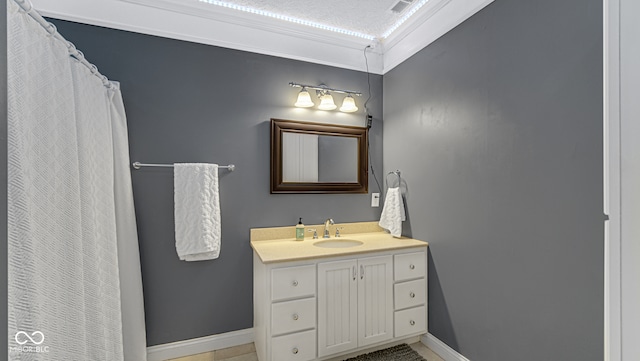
[138,165]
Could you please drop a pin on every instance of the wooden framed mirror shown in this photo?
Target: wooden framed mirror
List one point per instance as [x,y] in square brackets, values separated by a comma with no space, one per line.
[318,158]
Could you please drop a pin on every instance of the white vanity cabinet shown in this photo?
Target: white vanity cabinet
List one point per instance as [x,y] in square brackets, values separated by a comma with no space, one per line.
[322,307]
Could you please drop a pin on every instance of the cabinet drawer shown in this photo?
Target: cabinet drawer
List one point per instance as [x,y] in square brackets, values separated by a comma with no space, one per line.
[409,294]
[295,347]
[409,265]
[411,321]
[293,282]
[291,316]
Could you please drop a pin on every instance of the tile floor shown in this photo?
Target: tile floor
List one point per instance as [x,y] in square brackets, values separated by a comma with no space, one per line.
[248,353]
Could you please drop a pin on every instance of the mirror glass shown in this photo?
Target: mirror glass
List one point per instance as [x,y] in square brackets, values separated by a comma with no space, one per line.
[317,158]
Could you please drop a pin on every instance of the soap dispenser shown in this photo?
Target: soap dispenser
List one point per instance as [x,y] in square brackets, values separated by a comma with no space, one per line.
[300,231]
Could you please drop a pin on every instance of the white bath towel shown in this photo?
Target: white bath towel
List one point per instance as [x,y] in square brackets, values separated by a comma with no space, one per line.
[393,212]
[197,211]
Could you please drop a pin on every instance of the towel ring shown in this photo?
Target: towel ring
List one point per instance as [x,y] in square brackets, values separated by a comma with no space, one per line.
[397,173]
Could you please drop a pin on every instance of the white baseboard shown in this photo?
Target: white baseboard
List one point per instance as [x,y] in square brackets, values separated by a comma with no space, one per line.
[199,345]
[441,348]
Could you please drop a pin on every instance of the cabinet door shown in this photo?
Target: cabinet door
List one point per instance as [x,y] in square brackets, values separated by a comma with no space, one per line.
[337,307]
[375,300]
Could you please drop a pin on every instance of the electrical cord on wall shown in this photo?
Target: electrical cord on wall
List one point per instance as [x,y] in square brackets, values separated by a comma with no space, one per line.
[366,62]
[369,118]
[371,166]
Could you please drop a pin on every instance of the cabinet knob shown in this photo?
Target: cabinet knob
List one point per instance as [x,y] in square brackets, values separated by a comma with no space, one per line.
[295,317]
[412,266]
[412,322]
[294,283]
[412,295]
[294,351]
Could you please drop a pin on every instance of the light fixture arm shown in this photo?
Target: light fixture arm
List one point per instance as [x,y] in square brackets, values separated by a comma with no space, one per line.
[323,88]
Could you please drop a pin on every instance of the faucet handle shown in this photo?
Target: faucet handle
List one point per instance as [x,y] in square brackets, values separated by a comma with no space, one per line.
[315,233]
[338,231]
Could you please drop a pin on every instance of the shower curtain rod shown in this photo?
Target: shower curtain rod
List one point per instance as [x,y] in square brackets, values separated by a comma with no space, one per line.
[27,7]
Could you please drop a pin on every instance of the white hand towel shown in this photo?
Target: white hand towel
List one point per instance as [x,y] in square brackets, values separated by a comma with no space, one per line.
[393,212]
[197,211]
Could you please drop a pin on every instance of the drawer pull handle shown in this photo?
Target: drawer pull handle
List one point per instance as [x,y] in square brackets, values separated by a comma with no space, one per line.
[412,295]
[295,351]
[412,322]
[412,266]
[295,317]
[294,283]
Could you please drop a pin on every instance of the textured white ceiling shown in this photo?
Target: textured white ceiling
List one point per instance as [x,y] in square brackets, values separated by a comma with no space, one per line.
[370,17]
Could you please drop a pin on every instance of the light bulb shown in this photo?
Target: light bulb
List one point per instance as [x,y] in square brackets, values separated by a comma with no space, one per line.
[348,105]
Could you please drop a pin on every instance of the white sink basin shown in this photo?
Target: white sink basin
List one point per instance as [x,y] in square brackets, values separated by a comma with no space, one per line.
[338,243]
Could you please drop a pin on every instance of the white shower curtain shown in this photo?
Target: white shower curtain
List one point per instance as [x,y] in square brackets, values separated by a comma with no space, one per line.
[75,290]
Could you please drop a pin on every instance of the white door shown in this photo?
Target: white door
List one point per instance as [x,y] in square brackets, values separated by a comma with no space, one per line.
[337,307]
[375,300]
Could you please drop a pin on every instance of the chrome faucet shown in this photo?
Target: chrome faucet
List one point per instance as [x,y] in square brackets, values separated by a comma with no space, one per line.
[326,227]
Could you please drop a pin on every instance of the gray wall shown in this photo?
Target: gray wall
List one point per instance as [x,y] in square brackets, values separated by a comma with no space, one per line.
[497,129]
[188,102]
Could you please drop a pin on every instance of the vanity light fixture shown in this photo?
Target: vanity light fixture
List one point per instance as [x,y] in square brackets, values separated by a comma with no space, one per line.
[323,93]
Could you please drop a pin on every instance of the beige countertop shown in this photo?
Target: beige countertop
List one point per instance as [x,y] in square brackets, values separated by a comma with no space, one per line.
[279,244]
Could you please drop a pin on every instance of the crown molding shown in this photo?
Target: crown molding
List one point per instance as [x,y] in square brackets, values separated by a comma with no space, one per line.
[116,14]
[214,25]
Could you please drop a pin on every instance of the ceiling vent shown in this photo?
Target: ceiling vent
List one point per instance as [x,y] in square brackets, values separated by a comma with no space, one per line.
[401,6]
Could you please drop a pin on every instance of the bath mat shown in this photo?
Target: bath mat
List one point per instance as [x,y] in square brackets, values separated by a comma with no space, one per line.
[396,353]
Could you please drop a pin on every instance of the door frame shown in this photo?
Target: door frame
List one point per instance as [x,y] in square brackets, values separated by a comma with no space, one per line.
[621,31]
